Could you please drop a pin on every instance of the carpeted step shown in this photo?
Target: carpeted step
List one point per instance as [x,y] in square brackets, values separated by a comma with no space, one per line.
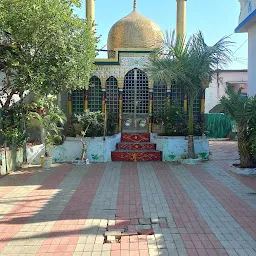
[136,155]
[135,137]
[136,146]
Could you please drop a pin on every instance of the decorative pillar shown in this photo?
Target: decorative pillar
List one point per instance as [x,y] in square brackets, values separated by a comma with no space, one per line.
[90,12]
[69,119]
[169,91]
[203,105]
[103,99]
[85,100]
[150,105]
[69,103]
[150,110]
[185,108]
[181,18]
[121,90]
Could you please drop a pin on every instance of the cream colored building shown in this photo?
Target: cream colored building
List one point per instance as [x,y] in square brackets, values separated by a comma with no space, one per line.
[217,89]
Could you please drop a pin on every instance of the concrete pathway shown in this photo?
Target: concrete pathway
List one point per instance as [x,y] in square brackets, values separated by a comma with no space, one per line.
[160,208]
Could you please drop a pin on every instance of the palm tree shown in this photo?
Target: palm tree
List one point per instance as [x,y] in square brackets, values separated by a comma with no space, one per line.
[242,110]
[190,64]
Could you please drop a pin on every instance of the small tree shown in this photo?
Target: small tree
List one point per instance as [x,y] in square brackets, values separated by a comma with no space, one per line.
[191,65]
[50,117]
[242,110]
[44,48]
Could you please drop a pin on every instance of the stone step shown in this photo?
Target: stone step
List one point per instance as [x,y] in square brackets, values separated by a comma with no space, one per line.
[135,137]
[136,146]
[136,155]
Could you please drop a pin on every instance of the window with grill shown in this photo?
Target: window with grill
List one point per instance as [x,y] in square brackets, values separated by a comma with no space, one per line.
[112,96]
[139,78]
[177,94]
[197,107]
[128,96]
[142,93]
[94,95]
[159,97]
[78,102]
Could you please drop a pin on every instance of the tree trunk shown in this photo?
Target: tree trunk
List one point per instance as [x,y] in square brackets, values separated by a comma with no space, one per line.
[191,148]
[244,149]
[191,117]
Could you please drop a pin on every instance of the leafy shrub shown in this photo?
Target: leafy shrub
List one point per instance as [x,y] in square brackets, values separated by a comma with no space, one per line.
[92,123]
[173,118]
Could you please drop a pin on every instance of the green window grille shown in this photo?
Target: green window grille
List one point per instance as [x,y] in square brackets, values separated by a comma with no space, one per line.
[94,95]
[177,94]
[159,97]
[78,101]
[112,96]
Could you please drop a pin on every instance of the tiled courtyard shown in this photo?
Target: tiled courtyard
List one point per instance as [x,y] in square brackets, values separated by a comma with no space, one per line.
[145,208]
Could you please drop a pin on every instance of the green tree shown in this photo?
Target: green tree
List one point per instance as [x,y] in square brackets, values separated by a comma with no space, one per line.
[243,111]
[191,65]
[44,48]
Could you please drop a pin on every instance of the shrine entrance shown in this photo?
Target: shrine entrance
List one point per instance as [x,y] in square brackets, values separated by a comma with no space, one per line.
[135,102]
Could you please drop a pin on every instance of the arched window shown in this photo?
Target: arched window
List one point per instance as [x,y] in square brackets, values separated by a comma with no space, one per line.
[159,97]
[112,96]
[94,95]
[78,101]
[135,87]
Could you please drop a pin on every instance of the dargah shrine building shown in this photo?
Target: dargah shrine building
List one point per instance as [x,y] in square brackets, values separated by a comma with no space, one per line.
[119,80]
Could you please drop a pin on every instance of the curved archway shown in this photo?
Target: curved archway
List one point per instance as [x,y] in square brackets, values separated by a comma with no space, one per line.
[136,89]
[94,94]
[135,101]
[112,96]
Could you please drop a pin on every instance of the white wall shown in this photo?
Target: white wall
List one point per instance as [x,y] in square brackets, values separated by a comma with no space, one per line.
[214,93]
[252,60]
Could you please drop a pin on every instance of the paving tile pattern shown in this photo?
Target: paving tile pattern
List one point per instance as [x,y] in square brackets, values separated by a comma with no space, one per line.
[166,240]
[33,233]
[220,217]
[194,231]
[13,221]
[242,191]
[160,209]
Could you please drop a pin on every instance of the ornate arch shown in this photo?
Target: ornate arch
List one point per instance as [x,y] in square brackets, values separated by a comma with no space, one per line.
[94,94]
[140,79]
[112,96]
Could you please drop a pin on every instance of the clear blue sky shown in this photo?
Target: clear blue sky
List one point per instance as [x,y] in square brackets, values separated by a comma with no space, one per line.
[216,18]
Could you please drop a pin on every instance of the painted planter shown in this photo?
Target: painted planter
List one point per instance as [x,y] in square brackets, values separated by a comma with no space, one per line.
[176,148]
[98,150]
[10,160]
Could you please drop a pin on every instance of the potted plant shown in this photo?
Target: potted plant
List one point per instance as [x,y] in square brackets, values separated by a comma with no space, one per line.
[50,117]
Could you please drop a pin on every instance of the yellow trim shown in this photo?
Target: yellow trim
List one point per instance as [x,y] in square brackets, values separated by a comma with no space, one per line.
[120,115]
[70,107]
[185,105]
[202,105]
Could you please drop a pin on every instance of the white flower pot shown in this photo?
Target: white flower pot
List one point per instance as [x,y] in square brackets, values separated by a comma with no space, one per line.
[46,162]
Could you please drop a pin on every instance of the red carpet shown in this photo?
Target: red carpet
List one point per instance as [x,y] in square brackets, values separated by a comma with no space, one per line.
[136,147]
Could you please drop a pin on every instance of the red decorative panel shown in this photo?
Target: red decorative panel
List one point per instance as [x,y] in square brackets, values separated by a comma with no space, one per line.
[136,156]
[135,137]
[136,146]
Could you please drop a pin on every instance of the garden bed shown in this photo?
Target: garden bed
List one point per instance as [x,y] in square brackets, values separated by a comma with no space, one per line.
[98,150]
[176,148]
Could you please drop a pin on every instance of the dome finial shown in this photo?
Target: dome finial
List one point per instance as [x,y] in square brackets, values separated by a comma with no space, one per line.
[134,5]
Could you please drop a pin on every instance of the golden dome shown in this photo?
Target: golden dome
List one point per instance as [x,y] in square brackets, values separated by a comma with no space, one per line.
[135,31]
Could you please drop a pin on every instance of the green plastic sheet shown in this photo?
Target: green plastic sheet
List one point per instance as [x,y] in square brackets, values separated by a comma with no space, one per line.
[218,125]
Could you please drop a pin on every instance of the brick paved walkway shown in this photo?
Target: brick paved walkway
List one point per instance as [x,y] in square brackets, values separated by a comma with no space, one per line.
[148,208]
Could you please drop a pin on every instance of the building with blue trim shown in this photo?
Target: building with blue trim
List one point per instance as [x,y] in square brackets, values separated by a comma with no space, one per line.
[247,24]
